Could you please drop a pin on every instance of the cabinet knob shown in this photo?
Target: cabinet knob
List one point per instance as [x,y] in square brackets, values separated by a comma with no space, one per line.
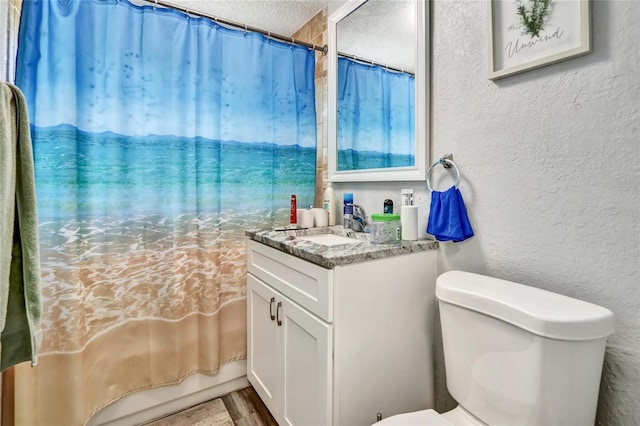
[273,300]
[278,309]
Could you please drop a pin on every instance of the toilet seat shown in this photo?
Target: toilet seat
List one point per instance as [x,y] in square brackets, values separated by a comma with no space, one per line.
[416,418]
[456,417]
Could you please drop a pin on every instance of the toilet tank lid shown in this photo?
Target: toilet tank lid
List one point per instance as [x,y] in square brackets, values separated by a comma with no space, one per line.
[538,311]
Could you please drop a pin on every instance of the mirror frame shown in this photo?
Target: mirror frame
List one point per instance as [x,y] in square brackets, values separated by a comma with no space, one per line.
[414,173]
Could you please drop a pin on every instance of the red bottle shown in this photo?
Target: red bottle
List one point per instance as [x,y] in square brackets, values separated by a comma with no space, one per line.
[293,216]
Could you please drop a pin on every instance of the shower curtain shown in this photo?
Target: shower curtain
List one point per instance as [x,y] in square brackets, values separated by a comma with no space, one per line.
[158,139]
[376,110]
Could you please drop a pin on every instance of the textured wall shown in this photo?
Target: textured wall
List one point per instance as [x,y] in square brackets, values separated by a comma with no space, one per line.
[550,173]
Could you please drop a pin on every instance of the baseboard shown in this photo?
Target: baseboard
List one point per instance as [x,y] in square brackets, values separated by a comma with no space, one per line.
[151,404]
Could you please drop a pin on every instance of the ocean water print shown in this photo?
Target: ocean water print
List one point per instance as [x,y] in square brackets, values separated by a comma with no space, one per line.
[129,220]
[82,174]
[351,159]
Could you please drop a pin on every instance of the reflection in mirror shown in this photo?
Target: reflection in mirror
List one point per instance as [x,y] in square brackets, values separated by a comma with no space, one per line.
[377,91]
[375,117]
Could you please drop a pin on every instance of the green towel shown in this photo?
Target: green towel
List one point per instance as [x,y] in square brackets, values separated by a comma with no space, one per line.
[20,298]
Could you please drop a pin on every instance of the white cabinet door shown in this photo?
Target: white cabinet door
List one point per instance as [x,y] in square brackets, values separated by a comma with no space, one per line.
[289,357]
[307,367]
[262,342]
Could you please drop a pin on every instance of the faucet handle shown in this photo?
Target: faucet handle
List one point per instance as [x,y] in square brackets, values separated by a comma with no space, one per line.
[359,211]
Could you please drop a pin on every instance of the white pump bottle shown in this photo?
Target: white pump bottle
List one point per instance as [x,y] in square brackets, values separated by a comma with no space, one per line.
[329,203]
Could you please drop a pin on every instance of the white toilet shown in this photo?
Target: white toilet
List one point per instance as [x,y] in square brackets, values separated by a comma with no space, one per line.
[516,355]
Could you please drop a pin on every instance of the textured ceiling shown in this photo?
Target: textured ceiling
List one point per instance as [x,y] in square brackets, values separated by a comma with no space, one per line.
[282,17]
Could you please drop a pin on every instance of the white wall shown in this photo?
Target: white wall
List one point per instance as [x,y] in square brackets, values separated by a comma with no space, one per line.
[550,173]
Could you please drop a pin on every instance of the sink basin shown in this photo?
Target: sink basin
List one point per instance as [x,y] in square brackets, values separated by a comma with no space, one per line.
[328,239]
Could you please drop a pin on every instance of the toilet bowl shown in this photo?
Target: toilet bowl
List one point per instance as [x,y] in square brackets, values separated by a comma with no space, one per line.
[516,355]
[416,418]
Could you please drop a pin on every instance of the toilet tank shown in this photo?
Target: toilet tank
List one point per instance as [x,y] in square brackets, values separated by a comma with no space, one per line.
[519,355]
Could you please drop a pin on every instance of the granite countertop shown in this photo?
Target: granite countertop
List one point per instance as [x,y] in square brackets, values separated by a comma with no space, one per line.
[331,256]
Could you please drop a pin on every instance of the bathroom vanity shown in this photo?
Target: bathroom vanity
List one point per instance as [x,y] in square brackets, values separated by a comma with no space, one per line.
[339,329]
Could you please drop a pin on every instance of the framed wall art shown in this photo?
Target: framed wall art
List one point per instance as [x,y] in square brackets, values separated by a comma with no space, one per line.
[529,34]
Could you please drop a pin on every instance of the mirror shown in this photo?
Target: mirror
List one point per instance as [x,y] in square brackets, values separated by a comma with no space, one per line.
[377,91]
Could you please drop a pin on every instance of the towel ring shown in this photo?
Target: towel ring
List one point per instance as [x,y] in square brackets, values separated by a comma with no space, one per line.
[444,162]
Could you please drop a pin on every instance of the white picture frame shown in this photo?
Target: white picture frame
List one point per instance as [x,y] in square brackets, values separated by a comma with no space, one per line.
[565,34]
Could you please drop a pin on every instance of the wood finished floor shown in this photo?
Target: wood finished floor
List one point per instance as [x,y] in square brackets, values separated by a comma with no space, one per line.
[240,408]
[247,409]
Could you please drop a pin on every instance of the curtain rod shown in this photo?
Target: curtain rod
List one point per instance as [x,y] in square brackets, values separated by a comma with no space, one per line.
[370,62]
[324,49]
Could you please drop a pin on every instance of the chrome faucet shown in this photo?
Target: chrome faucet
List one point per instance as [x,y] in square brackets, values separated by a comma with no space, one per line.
[358,221]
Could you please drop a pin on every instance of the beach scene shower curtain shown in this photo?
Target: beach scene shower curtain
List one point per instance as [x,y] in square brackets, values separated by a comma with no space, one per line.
[376,110]
[158,139]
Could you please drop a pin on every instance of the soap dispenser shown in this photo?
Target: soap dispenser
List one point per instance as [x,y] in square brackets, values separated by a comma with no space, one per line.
[408,216]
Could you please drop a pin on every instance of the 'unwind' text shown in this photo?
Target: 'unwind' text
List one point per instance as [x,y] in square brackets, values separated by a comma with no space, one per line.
[513,48]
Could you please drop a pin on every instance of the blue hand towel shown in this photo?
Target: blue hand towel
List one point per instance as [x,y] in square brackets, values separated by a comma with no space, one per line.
[448,219]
